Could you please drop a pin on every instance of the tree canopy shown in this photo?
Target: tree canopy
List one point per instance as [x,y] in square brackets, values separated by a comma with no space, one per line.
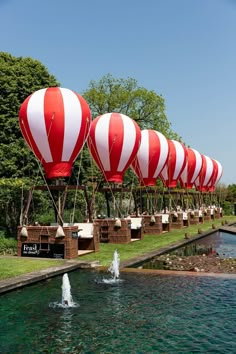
[19,78]
[125,96]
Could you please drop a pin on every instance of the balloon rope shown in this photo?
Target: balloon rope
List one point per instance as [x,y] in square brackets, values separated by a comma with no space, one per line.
[130,196]
[42,173]
[77,188]
[99,164]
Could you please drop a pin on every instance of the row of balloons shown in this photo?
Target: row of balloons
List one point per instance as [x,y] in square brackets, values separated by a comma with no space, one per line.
[56,123]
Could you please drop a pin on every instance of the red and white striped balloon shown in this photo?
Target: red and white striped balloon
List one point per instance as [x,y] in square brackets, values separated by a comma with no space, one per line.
[192,168]
[113,141]
[205,174]
[175,165]
[219,173]
[55,123]
[151,157]
[216,176]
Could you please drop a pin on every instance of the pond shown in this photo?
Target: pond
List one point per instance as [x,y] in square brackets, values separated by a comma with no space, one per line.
[220,243]
[138,313]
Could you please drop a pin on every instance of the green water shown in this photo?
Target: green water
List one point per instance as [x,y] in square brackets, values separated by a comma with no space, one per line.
[139,314]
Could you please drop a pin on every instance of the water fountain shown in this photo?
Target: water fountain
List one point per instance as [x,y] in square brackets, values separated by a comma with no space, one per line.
[66,292]
[66,299]
[114,268]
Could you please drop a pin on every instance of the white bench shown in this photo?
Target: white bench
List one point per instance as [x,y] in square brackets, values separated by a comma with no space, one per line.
[165,218]
[85,229]
[136,223]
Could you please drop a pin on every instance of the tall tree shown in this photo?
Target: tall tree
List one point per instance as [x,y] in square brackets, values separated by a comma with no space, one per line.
[125,96]
[147,108]
[19,77]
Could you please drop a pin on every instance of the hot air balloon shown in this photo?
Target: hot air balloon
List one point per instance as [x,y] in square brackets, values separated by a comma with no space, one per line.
[114,141]
[205,174]
[192,168]
[216,175]
[55,123]
[175,164]
[151,157]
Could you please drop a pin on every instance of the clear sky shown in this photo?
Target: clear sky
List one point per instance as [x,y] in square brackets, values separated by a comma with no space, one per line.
[184,50]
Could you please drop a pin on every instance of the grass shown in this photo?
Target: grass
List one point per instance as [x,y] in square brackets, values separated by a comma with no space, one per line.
[13,266]
[149,243]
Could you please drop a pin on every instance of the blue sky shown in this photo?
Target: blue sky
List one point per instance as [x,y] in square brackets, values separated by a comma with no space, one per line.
[184,50]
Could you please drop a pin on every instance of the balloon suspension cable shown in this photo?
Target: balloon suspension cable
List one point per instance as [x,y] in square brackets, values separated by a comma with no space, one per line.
[130,196]
[162,198]
[72,216]
[92,205]
[115,204]
[22,205]
[142,182]
[170,199]
[77,188]
[39,163]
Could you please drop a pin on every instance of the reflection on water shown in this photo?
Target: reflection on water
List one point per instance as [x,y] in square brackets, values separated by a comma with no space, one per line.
[141,314]
[219,243]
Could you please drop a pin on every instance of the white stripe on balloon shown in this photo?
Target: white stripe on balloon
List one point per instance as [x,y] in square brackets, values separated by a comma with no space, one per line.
[72,121]
[102,144]
[164,149]
[35,115]
[129,136]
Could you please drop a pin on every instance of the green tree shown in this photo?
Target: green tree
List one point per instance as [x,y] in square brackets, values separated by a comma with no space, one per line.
[19,77]
[125,96]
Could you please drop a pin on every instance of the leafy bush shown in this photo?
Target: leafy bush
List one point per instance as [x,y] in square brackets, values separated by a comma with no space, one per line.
[228,208]
[8,246]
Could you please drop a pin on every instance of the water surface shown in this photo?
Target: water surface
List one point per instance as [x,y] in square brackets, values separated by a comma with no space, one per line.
[138,314]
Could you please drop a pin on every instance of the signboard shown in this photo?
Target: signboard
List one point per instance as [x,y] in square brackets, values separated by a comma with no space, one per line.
[43,250]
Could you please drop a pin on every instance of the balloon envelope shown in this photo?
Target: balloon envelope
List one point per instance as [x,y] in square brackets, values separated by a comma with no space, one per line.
[205,174]
[216,175]
[175,163]
[55,123]
[151,157]
[113,141]
[192,168]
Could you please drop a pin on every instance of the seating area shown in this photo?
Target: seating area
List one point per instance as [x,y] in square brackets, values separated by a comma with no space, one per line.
[165,222]
[136,228]
[73,239]
[85,230]
[87,238]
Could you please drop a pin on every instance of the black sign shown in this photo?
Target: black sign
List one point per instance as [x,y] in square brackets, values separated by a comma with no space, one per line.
[43,250]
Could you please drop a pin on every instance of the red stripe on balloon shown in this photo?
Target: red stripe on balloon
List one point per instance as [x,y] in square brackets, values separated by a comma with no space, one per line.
[116,137]
[54,121]
[85,126]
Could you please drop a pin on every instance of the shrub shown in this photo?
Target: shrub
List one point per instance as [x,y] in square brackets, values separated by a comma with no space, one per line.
[8,246]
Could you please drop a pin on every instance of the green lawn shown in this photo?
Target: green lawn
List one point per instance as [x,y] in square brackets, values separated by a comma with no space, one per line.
[13,266]
[150,242]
